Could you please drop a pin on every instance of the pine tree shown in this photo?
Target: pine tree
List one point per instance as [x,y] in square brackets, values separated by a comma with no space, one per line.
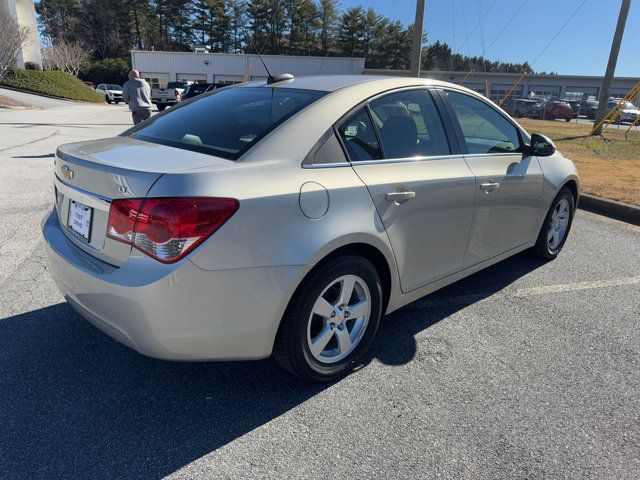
[328,19]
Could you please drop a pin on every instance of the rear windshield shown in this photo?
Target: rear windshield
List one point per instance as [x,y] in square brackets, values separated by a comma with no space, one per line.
[198,88]
[177,85]
[226,122]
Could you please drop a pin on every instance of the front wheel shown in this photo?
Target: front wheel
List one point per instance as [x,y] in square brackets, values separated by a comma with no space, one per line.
[107,99]
[567,119]
[331,320]
[556,226]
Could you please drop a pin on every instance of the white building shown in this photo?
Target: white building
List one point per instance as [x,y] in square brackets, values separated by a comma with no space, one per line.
[23,12]
[159,68]
[497,85]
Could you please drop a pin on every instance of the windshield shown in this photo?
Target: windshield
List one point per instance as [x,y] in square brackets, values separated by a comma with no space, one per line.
[114,87]
[226,122]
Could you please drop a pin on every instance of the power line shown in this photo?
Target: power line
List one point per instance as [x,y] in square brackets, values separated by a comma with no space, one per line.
[506,25]
[558,32]
[466,40]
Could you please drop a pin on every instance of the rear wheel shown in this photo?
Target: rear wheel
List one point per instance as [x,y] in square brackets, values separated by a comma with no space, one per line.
[556,226]
[161,108]
[567,119]
[117,102]
[331,320]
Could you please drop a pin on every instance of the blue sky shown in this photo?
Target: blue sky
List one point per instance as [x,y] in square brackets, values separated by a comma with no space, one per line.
[581,49]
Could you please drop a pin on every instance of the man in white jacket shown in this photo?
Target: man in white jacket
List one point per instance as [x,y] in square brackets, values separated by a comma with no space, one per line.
[137,93]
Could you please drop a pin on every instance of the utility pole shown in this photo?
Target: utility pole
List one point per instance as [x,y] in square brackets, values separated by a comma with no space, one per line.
[611,66]
[416,51]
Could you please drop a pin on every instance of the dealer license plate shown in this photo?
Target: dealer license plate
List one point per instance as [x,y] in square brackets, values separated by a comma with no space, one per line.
[80,219]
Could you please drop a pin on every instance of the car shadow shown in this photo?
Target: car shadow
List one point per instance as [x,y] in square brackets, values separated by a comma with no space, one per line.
[77,404]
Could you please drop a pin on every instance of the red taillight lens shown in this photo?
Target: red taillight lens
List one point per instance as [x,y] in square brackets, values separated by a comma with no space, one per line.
[168,228]
[122,219]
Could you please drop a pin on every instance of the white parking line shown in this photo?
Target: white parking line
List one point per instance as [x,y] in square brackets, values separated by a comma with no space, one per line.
[526,292]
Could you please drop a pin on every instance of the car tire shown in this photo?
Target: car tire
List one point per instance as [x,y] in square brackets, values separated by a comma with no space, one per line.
[106,97]
[567,119]
[161,107]
[117,102]
[341,338]
[556,226]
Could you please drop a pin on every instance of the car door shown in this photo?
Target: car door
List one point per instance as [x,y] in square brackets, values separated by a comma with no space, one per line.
[421,186]
[508,183]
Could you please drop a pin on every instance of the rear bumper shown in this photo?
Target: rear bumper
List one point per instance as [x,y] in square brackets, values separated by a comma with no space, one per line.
[164,101]
[173,312]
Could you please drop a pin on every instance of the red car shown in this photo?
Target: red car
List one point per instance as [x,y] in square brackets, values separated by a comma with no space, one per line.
[552,109]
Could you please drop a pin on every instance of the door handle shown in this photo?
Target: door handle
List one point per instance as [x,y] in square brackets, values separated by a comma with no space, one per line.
[400,197]
[488,187]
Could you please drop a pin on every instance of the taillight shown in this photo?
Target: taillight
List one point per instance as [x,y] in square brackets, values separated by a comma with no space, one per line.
[167,229]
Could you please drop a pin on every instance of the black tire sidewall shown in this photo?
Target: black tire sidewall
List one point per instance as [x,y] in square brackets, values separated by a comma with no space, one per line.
[307,296]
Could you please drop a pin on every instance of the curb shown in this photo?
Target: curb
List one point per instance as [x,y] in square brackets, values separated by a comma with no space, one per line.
[610,208]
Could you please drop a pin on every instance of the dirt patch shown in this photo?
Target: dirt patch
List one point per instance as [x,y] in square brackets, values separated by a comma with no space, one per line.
[609,166]
[6,102]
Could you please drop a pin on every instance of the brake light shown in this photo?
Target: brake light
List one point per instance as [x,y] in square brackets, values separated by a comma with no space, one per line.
[167,229]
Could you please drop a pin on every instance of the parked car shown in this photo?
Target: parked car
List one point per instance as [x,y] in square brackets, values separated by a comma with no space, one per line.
[171,95]
[286,217]
[552,110]
[589,107]
[111,92]
[575,106]
[519,107]
[196,89]
[629,112]
[90,85]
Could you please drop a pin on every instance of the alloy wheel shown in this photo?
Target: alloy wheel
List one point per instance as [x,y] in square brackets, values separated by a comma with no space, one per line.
[338,319]
[558,224]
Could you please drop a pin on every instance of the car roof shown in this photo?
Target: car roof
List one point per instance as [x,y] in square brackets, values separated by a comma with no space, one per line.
[331,83]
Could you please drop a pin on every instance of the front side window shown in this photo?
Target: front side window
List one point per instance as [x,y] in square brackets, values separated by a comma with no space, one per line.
[409,125]
[359,137]
[485,130]
[227,122]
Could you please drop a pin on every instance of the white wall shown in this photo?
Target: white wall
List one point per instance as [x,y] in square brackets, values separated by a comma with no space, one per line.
[24,13]
[232,67]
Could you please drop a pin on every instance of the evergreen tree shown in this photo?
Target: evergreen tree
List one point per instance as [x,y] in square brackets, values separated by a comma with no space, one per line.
[328,20]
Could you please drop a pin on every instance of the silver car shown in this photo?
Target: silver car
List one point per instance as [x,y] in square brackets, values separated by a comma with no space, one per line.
[285,218]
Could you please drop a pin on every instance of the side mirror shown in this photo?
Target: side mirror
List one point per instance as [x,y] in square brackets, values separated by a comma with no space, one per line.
[541,146]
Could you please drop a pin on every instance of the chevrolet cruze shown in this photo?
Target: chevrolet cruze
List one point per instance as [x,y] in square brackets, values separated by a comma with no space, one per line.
[286,217]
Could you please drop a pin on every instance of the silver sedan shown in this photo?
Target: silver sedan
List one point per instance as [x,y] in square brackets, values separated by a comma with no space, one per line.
[285,218]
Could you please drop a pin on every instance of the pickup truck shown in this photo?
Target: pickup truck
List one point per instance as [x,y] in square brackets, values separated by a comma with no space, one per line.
[171,95]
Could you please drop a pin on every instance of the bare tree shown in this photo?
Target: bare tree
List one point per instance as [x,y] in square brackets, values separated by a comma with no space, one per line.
[65,56]
[13,39]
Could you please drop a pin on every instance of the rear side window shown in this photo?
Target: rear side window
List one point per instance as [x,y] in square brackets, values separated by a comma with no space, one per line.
[226,122]
[485,130]
[409,125]
[359,137]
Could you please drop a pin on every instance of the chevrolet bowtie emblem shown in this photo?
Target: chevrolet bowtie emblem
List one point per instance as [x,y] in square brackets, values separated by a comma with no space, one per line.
[67,172]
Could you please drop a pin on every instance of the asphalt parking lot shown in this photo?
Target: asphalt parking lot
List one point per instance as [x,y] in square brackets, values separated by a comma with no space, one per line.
[527,370]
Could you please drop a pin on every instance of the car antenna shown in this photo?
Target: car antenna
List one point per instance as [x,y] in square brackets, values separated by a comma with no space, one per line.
[271,79]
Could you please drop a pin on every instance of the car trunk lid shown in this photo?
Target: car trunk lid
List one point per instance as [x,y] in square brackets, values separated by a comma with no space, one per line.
[89,175]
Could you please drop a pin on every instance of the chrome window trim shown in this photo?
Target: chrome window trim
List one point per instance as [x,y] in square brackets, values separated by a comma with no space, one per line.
[500,154]
[408,159]
[326,165]
[82,196]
